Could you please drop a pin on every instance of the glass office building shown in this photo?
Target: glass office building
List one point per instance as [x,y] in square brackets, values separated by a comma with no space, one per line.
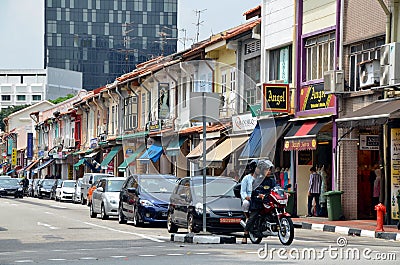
[104,39]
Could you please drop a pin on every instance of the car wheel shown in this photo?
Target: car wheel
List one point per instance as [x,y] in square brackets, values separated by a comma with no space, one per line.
[104,216]
[121,216]
[82,200]
[136,218]
[191,226]
[92,213]
[171,226]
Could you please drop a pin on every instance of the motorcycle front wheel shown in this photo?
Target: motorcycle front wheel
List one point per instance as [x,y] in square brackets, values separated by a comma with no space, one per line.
[254,239]
[286,231]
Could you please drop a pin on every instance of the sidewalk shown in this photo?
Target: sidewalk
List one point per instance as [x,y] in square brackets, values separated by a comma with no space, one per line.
[349,227]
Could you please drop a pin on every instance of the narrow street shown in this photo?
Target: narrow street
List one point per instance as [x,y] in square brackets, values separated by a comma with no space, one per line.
[37,231]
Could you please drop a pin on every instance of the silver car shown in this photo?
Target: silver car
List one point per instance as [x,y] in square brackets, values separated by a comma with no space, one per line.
[105,198]
[76,196]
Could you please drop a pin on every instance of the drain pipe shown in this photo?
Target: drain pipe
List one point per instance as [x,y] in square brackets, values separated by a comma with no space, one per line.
[120,124]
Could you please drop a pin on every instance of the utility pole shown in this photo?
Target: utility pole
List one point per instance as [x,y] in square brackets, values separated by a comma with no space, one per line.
[199,23]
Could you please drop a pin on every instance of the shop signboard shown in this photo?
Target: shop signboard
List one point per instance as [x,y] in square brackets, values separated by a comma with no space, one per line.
[93,143]
[244,122]
[300,144]
[369,142]
[163,101]
[155,126]
[395,171]
[29,148]
[14,157]
[276,98]
[313,98]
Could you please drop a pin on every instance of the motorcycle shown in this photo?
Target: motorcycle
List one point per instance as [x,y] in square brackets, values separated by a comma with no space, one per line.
[272,219]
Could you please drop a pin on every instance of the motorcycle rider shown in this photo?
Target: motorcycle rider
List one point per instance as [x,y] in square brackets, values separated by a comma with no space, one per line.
[262,185]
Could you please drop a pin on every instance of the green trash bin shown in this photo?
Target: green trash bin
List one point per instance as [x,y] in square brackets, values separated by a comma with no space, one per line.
[334,204]
[290,203]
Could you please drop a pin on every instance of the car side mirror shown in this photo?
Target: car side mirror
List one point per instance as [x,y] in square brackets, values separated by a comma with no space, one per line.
[100,189]
[133,190]
[90,182]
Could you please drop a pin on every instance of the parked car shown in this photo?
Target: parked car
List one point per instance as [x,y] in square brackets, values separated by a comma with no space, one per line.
[144,198]
[224,211]
[105,198]
[5,177]
[57,184]
[11,187]
[76,196]
[66,190]
[87,181]
[45,187]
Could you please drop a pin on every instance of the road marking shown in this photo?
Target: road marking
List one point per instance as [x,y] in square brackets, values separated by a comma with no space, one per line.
[147,255]
[126,232]
[24,261]
[58,206]
[29,251]
[49,213]
[175,254]
[251,252]
[88,258]
[58,250]
[118,257]
[202,253]
[47,225]
[56,259]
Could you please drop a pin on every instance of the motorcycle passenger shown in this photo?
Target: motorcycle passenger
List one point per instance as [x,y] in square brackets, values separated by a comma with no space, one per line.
[262,185]
[246,190]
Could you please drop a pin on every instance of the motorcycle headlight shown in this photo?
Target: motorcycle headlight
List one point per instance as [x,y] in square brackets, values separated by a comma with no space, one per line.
[282,201]
[146,203]
[42,189]
[199,208]
[19,189]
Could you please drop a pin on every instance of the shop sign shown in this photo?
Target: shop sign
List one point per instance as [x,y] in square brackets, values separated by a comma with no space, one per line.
[300,144]
[93,143]
[369,142]
[10,144]
[14,156]
[276,98]
[244,122]
[313,97]
[29,147]
[395,171]
[70,172]
[154,126]
[163,101]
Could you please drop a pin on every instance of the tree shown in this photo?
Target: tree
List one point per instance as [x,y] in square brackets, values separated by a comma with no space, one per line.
[61,99]
[7,112]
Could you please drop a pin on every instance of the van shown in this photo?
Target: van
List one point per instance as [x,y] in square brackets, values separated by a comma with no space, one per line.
[87,181]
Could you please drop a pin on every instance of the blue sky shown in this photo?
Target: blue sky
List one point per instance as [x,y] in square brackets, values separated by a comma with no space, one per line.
[22,26]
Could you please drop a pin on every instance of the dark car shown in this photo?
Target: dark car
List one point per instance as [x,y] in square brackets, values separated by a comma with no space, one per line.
[11,187]
[223,211]
[144,198]
[44,188]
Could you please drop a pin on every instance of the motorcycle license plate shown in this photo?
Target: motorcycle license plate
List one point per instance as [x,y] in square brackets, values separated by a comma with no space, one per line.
[229,220]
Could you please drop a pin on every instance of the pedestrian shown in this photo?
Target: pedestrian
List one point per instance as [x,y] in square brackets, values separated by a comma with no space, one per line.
[314,191]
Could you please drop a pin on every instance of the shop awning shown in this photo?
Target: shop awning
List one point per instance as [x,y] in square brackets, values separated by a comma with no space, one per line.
[45,164]
[79,163]
[174,146]
[132,136]
[303,134]
[263,139]
[153,153]
[31,165]
[198,150]
[377,113]
[228,146]
[131,158]
[91,155]
[114,151]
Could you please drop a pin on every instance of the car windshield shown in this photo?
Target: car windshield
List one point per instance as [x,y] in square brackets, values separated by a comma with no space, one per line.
[69,184]
[114,185]
[215,188]
[7,182]
[97,177]
[48,182]
[157,185]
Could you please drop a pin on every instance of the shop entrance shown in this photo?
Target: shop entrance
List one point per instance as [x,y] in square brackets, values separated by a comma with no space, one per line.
[367,163]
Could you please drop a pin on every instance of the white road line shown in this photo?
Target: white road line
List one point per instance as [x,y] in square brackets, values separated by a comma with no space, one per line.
[88,258]
[58,206]
[118,257]
[49,213]
[47,225]
[147,255]
[175,254]
[58,250]
[126,232]
[57,259]
[24,261]
[202,253]
[251,252]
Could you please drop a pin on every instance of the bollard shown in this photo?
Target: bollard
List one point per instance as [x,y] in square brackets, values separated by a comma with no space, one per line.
[380,211]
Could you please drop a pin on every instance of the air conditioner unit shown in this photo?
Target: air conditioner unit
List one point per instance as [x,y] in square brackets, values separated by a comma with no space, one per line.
[369,73]
[334,81]
[390,67]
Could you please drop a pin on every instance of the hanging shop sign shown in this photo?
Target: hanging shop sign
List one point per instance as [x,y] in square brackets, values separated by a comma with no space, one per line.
[14,157]
[395,171]
[93,143]
[244,122]
[163,101]
[276,98]
[313,97]
[369,142]
[155,126]
[300,144]
[29,147]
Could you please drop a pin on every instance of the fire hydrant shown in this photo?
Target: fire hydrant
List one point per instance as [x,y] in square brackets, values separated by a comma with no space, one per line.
[380,211]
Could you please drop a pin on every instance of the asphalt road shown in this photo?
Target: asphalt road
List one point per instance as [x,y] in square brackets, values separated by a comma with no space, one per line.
[34,231]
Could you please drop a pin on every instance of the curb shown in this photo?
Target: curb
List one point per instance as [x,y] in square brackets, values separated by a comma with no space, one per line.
[348,231]
[203,239]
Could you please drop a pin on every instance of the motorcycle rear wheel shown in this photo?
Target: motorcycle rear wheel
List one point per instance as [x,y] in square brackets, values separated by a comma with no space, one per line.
[286,231]
[254,239]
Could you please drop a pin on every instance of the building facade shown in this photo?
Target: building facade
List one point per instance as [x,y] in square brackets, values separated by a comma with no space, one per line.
[103,39]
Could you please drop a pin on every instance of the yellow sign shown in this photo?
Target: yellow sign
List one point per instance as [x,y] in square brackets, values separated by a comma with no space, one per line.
[395,154]
[70,172]
[14,157]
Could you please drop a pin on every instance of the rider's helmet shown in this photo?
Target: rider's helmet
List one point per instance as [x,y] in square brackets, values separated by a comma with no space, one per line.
[265,164]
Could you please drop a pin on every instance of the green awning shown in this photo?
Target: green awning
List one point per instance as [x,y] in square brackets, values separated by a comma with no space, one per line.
[131,136]
[80,162]
[174,147]
[79,152]
[114,151]
[131,158]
